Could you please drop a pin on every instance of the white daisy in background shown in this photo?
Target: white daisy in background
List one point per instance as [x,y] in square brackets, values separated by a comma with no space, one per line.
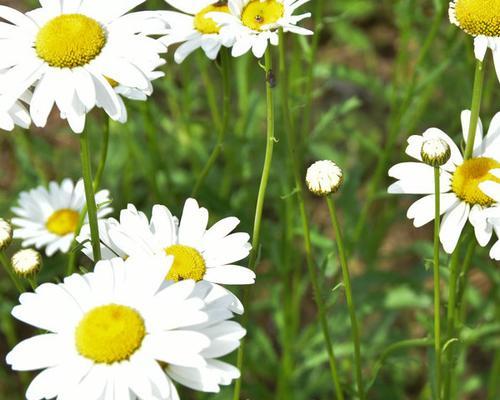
[461,197]
[49,217]
[492,189]
[12,113]
[194,29]
[199,253]
[110,333]
[255,23]
[70,49]
[480,19]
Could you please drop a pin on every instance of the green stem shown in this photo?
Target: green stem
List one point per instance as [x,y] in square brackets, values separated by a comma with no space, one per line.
[475,108]
[299,189]
[437,282]
[89,195]
[104,154]
[12,275]
[348,293]
[217,150]
[270,140]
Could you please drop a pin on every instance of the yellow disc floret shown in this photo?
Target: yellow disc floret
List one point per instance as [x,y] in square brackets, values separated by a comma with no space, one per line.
[207,25]
[188,263]
[63,222]
[478,17]
[258,14]
[468,176]
[110,333]
[70,41]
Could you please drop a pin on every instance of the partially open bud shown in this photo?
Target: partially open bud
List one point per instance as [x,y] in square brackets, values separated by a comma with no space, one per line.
[324,177]
[5,234]
[27,263]
[435,152]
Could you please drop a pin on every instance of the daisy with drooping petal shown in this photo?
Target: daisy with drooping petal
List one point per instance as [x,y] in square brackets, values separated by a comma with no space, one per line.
[195,29]
[461,197]
[110,332]
[255,23]
[481,19]
[70,51]
[49,217]
[12,113]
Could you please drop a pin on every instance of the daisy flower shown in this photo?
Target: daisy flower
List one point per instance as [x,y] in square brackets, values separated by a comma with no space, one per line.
[480,19]
[12,113]
[255,23]
[49,217]
[110,333]
[199,253]
[70,51]
[461,197]
[194,29]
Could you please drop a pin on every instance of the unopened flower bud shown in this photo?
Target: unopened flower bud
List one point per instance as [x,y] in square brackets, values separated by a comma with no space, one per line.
[324,177]
[5,234]
[435,152]
[27,262]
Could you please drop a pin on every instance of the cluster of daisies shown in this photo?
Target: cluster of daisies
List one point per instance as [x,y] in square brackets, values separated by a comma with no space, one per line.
[80,54]
[152,312]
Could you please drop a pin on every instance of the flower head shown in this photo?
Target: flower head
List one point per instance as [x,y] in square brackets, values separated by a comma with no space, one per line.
[5,234]
[27,262]
[324,178]
[435,152]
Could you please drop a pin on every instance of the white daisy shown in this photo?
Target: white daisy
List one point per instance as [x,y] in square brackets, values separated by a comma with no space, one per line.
[194,29]
[254,23]
[110,332]
[70,49]
[12,113]
[461,197]
[479,18]
[49,217]
[492,189]
[199,253]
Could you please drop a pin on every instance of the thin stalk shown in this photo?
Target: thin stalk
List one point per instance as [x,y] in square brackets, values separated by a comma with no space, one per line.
[12,275]
[89,195]
[348,294]
[270,140]
[226,108]
[477,92]
[299,189]
[437,282]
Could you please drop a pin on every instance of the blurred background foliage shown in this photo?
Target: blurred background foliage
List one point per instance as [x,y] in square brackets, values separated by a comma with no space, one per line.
[383,70]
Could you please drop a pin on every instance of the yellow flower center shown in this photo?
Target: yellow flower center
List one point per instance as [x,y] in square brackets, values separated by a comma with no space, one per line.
[478,17]
[259,13]
[188,263]
[70,41]
[109,334]
[468,176]
[207,25]
[63,221]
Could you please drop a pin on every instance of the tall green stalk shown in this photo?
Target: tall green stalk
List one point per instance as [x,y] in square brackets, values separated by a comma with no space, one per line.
[349,298]
[270,140]
[475,108]
[299,189]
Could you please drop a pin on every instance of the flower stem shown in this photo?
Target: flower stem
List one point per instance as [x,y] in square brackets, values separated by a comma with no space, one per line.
[270,140]
[437,282]
[12,275]
[217,150]
[477,92]
[349,298]
[89,194]
[299,189]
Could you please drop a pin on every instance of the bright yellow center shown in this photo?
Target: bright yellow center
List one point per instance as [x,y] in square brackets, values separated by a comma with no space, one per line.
[110,334]
[63,222]
[479,17]
[70,41]
[259,13]
[188,263]
[468,176]
[208,25]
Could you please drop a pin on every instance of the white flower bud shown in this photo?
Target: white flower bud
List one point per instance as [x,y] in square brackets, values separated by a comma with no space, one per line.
[324,177]
[435,152]
[5,234]
[27,262]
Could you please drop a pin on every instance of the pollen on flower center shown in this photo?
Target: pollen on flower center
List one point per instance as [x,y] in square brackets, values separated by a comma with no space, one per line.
[63,222]
[70,41]
[258,14]
[478,17]
[110,333]
[468,176]
[188,263]
[207,25]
